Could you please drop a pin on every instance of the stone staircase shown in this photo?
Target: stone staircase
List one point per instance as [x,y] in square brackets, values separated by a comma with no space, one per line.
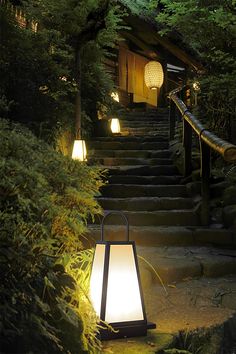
[163,215]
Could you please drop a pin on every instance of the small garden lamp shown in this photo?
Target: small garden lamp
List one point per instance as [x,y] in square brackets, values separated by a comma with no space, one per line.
[153,75]
[115,287]
[79,151]
[115,125]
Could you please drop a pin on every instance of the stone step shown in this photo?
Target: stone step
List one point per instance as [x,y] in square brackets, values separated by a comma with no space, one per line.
[130,153]
[144,131]
[129,145]
[124,139]
[115,161]
[165,235]
[140,190]
[145,203]
[144,117]
[159,170]
[154,126]
[175,264]
[201,310]
[157,218]
[145,123]
[126,179]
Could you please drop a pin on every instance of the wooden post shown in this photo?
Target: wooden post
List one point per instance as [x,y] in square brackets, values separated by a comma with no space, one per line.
[172,119]
[205,186]
[78,97]
[187,143]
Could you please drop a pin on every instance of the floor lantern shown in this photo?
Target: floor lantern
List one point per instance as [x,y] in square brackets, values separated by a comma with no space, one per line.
[153,75]
[79,150]
[115,125]
[115,287]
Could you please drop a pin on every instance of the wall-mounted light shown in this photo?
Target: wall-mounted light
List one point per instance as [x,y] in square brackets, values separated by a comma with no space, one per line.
[115,287]
[115,125]
[115,96]
[79,150]
[153,75]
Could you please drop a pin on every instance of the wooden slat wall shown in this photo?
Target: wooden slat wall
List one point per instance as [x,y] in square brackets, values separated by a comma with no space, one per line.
[123,69]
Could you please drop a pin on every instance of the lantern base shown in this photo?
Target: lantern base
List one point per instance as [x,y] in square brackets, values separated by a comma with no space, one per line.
[126,331]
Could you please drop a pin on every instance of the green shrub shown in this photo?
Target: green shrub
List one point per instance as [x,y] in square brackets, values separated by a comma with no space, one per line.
[45,201]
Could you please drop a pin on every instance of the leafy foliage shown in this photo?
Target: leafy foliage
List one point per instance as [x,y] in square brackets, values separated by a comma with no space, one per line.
[45,201]
[31,77]
[40,70]
[209,28]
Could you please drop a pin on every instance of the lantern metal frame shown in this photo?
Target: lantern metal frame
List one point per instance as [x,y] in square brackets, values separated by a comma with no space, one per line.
[127,328]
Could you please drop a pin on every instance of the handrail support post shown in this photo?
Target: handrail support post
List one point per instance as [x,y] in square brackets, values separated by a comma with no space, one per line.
[187,143]
[172,120]
[205,182]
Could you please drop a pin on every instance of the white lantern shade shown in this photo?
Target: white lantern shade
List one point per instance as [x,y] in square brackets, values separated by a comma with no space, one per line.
[123,297]
[79,150]
[115,126]
[96,279]
[123,292]
[153,75]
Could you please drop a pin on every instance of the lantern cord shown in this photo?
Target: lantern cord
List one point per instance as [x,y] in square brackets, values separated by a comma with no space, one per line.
[155,272]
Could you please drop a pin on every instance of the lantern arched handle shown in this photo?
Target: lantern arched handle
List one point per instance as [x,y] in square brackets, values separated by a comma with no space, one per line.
[112,212]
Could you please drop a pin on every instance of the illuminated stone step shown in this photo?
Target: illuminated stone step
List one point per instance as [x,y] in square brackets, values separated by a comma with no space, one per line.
[130,153]
[129,145]
[129,179]
[157,218]
[140,190]
[145,170]
[115,161]
[145,203]
[164,235]
[174,264]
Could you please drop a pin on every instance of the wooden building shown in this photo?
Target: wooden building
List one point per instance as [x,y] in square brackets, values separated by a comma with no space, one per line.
[139,45]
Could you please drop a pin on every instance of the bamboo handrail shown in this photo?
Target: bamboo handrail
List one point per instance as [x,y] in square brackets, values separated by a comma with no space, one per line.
[208,141]
[223,147]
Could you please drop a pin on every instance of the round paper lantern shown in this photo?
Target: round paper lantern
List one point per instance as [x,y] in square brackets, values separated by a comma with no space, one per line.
[153,75]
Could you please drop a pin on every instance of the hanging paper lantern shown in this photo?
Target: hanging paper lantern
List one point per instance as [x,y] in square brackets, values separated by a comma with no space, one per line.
[153,75]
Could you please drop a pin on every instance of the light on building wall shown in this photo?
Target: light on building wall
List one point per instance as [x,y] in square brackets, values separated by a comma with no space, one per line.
[79,150]
[115,125]
[153,75]
[115,287]
[115,96]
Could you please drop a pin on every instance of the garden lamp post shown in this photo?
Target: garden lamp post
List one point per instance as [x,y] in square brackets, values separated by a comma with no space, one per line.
[115,125]
[115,287]
[79,151]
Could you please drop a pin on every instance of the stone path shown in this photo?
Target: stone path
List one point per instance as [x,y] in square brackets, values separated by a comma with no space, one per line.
[164,222]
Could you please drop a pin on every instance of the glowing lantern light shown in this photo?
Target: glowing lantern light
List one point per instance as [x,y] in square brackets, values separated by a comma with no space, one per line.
[79,150]
[115,287]
[115,126]
[115,96]
[153,75]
